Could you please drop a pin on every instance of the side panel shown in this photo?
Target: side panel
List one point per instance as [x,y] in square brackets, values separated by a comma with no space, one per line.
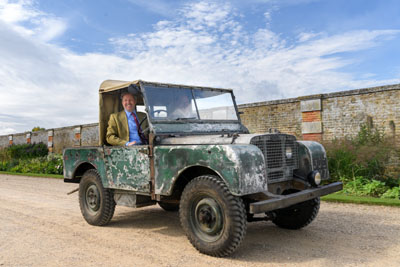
[127,168]
[73,157]
[241,166]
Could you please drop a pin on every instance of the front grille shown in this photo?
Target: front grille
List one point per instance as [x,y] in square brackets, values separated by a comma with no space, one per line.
[273,146]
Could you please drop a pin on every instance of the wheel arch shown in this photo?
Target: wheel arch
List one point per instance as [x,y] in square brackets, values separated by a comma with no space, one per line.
[188,174]
[78,172]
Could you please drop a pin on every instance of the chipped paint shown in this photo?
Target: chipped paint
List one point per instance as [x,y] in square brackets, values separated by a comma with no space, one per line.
[127,168]
[75,157]
[240,166]
[312,156]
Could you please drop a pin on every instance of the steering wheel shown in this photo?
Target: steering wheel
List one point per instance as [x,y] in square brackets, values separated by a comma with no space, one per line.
[158,111]
[140,124]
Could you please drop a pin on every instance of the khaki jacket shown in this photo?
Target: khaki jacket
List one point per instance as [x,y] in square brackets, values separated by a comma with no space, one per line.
[118,129]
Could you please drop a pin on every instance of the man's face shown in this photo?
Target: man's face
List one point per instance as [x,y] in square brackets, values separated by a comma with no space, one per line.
[128,102]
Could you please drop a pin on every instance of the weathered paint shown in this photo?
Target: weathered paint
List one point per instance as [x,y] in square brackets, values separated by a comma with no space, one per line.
[74,157]
[241,166]
[194,127]
[214,139]
[127,168]
[312,156]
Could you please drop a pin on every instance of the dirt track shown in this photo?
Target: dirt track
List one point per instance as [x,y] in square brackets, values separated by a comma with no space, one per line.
[42,226]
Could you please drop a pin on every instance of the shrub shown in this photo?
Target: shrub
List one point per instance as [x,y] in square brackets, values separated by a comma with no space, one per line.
[27,151]
[392,193]
[365,155]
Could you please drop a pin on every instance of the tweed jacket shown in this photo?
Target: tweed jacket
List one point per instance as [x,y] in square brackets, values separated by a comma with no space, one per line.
[118,129]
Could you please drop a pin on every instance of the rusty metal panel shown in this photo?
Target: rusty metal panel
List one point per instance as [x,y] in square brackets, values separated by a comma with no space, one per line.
[127,168]
[240,166]
[74,157]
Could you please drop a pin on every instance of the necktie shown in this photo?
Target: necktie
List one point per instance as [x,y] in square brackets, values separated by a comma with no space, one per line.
[139,129]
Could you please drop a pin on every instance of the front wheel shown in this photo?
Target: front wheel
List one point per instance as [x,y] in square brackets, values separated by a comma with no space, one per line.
[96,203]
[298,215]
[213,219]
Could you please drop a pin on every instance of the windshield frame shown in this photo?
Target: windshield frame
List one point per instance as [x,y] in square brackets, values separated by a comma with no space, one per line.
[155,120]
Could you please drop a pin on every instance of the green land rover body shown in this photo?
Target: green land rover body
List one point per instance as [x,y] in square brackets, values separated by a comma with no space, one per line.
[202,162]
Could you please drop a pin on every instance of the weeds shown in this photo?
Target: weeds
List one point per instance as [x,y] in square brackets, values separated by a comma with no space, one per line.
[362,164]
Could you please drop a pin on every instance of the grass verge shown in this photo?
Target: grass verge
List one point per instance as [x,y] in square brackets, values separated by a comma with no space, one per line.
[58,176]
[343,198]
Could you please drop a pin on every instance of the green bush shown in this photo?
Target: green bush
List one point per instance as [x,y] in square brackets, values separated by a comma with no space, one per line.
[361,163]
[365,155]
[27,151]
[30,158]
[51,164]
[392,193]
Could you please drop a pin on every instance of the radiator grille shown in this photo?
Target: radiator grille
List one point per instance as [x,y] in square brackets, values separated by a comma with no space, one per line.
[274,147]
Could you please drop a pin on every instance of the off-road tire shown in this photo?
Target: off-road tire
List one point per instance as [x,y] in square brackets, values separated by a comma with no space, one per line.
[97,203]
[213,219]
[172,207]
[298,215]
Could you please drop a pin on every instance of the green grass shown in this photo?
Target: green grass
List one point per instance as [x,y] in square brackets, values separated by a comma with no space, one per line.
[340,197]
[58,176]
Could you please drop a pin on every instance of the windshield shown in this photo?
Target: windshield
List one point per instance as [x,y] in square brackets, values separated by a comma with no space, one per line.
[166,103]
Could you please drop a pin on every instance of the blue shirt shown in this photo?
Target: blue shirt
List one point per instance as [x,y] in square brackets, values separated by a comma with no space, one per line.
[133,131]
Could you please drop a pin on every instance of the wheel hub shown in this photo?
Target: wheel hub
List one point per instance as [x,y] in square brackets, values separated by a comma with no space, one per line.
[208,218]
[93,198]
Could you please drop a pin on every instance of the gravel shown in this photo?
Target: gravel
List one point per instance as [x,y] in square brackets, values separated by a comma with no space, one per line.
[40,225]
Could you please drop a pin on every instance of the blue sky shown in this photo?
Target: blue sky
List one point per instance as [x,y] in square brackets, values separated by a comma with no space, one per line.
[54,54]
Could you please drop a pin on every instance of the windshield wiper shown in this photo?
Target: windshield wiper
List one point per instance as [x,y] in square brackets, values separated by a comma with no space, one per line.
[186,118]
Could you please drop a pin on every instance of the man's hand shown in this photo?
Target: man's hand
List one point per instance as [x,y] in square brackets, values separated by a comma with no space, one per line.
[131,143]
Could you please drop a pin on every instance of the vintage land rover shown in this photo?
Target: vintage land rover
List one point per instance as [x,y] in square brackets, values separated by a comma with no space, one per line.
[203,162]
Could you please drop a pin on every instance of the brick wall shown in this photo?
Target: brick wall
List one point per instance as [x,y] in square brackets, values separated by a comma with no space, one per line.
[329,116]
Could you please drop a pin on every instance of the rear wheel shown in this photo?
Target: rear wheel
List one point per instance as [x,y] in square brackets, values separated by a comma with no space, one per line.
[213,219]
[96,203]
[298,215]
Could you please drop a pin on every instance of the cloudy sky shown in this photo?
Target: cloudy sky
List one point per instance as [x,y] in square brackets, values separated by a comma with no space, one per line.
[55,54]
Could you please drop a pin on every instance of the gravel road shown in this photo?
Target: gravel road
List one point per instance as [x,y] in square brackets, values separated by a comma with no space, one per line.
[40,225]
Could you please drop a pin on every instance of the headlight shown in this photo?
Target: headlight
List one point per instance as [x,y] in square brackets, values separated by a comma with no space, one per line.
[315,178]
[288,152]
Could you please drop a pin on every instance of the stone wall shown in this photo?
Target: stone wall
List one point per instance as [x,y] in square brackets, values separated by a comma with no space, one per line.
[58,138]
[329,116]
[316,117]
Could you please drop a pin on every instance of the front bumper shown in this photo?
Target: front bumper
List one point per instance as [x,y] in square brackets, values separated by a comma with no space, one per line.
[283,201]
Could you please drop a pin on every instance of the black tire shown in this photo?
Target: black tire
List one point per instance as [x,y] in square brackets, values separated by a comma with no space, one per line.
[172,207]
[213,219]
[97,203]
[298,215]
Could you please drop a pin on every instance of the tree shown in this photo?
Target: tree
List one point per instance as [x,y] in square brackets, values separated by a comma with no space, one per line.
[37,128]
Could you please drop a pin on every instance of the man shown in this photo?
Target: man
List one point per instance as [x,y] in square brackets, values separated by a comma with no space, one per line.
[124,127]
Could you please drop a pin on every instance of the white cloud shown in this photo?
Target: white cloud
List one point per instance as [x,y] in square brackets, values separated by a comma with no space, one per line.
[41,25]
[50,86]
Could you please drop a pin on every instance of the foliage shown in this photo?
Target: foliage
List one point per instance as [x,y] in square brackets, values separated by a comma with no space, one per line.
[361,163]
[392,193]
[365,155]
[37,129]
[51,164]
[27,151]
[30,158]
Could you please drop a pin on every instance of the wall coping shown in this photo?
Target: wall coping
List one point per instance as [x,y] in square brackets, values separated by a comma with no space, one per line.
[362,91]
